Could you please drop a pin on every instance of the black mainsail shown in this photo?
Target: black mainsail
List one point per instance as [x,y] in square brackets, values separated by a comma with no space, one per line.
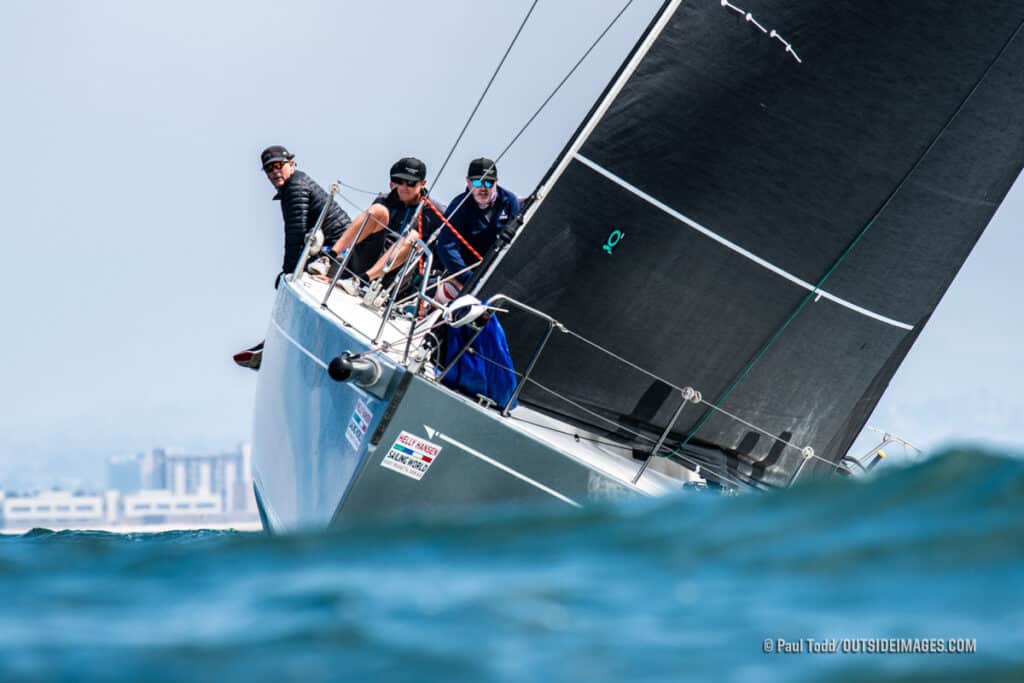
[749,153]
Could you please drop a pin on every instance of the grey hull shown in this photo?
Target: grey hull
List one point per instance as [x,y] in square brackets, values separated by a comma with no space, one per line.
[325,450]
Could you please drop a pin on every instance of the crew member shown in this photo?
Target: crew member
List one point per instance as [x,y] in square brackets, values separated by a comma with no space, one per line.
[302,201]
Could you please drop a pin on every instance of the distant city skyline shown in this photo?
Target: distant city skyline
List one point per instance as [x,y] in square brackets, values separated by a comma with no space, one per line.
[103,473]
[154,488]
[144,240]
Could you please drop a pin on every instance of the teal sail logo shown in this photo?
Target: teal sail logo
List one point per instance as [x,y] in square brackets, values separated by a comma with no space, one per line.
[612,240]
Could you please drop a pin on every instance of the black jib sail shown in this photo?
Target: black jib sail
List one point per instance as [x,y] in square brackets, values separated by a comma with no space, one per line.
[766,205]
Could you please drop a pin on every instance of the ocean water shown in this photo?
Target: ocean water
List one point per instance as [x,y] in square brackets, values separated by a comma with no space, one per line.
[682,588]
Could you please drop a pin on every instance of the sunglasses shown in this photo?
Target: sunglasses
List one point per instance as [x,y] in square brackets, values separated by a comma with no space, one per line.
[274,166]
[478,182]
[404,181]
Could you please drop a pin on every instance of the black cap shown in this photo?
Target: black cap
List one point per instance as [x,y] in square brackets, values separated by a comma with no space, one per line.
[482,169]
[409,168]
[275,153]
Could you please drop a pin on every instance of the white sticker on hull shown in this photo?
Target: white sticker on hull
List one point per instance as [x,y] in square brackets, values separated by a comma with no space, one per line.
[411,456]
[358,425]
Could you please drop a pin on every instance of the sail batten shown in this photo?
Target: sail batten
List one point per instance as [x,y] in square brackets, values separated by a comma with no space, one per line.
[736,180]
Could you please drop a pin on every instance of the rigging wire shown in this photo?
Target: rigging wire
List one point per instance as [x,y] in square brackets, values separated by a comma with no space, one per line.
[672,385]
[575,434]
[846,252]
[359,189]
[355,206]
[558,87]
[487,88]
[688,458]
[695,466]
[543,104]
[705,466]
[483,95]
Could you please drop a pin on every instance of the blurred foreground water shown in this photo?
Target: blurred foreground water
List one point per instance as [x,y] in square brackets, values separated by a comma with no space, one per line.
[680,588]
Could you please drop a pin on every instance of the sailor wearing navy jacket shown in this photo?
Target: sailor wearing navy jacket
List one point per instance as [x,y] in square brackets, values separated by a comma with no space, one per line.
[478,215]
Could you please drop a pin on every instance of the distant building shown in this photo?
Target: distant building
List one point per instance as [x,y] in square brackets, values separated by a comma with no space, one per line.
[162,507]
[162,486]
[228,475]
[152,469]
[123,473]
[52,508]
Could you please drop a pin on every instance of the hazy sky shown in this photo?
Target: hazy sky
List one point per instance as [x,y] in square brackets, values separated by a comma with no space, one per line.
[144,243]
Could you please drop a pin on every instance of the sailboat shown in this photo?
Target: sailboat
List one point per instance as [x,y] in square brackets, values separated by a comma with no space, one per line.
[712,285]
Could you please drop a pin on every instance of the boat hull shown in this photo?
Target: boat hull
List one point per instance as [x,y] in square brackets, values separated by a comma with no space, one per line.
[325,451]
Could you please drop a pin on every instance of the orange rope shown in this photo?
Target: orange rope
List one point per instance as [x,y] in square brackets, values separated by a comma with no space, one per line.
[419,230]
[454,231]
[419,236]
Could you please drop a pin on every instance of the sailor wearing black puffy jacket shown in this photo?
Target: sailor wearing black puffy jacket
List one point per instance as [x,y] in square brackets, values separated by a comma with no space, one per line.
[302,199]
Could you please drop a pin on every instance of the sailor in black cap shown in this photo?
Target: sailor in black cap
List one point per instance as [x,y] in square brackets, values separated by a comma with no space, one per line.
[477,215]
[302,200]
[386,217]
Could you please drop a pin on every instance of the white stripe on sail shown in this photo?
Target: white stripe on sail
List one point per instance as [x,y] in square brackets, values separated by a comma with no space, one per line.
[736,248]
